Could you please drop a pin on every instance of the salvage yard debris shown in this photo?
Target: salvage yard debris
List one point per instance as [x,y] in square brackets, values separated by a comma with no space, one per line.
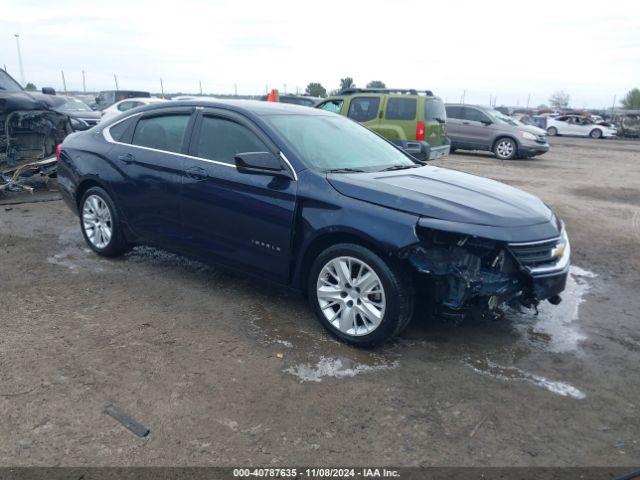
[30,130]
[130,423]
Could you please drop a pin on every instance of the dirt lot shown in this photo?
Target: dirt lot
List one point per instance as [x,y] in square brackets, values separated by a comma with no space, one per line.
[226,371]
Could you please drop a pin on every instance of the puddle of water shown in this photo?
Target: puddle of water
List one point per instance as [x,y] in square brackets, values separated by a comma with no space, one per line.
[556,327]
[74,254]
[339,367]
[487,367]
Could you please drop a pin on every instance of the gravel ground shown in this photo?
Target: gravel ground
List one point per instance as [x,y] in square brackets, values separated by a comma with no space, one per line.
[227,371]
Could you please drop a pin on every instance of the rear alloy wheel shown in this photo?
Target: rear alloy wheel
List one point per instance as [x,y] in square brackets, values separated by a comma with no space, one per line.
[505,149]
[552,131]
[596,133]
[100,223]
[358,297]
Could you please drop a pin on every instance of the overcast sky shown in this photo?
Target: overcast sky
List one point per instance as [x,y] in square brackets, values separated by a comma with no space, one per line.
[590,49]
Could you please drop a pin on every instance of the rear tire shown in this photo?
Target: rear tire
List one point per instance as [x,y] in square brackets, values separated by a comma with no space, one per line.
[358,297]
[505,148]
[100,223]
[596,133]
[552,131]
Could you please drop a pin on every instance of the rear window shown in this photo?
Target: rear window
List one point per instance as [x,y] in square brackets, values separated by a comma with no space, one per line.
[434,110]
[363,109]
[401,109]
[164,132]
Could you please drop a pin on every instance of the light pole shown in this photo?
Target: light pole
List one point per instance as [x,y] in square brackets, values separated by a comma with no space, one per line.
[20,59]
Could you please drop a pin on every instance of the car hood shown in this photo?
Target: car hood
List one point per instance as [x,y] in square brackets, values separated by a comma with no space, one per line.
[447,195]
[533,129]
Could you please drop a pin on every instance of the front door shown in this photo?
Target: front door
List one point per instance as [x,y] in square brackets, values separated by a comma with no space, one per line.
[241,219]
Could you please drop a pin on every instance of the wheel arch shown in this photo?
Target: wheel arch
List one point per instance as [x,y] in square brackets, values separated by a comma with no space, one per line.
[505,135]
[85,185]
[325,240]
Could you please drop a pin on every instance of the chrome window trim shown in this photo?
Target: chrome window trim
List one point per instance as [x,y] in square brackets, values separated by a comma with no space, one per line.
[107,136]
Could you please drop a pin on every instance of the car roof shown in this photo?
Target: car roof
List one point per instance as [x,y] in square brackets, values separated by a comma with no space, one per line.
[256,107]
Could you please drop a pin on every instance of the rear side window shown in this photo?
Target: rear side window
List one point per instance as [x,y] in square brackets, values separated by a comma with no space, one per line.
[332,106]
[434,110]
[363,109]
[121,132]
[401,109]
[222,140]
[454,112]
[165,132]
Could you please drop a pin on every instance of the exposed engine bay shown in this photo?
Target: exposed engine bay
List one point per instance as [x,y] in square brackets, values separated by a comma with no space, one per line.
[465,271]
[30,129]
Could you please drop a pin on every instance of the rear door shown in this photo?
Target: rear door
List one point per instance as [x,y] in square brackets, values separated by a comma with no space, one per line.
[455,127]
[149,157]
[241,219]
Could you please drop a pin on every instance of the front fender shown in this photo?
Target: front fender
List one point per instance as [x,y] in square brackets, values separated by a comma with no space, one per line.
[325,213]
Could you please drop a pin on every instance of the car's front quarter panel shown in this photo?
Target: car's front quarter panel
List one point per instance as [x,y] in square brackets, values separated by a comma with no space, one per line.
[326,214]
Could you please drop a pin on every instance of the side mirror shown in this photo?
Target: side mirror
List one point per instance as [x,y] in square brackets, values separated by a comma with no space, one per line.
[48,91]
[486,122]
[260,163]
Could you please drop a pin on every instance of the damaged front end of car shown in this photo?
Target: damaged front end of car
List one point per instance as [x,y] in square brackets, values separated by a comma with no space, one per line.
[29,134]
[464,271]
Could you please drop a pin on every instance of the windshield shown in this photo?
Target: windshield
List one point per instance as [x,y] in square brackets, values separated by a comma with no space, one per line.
[332,142]
[502,118]
[7,84]
[74,105]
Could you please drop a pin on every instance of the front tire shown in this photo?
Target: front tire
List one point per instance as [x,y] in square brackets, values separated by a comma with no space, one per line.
[596,133]
[552,131]
[100,223]
[505,149]
[358,297]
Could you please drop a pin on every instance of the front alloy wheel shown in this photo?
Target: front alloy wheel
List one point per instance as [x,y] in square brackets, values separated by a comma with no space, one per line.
[351,296]
[505,149]
[357,296]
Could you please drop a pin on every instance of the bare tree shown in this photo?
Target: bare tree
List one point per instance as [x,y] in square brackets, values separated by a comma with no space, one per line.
[559,99]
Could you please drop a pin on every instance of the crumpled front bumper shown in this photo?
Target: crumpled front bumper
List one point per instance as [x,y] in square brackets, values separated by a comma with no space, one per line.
[473,270]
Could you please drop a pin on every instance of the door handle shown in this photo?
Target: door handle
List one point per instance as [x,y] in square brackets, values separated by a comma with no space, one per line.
[465,123]
[126,158]
[196,173]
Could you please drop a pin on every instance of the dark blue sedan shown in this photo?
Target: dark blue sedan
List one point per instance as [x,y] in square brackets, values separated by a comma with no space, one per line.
[312,200]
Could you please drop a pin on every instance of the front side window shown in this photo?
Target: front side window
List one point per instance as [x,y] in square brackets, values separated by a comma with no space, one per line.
[363,109]
[221,140]
[165,132]
[329,142]
[474,115]
[401,109]
[332,106]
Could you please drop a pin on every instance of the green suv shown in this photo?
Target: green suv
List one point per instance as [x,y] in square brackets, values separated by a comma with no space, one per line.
[413,120]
